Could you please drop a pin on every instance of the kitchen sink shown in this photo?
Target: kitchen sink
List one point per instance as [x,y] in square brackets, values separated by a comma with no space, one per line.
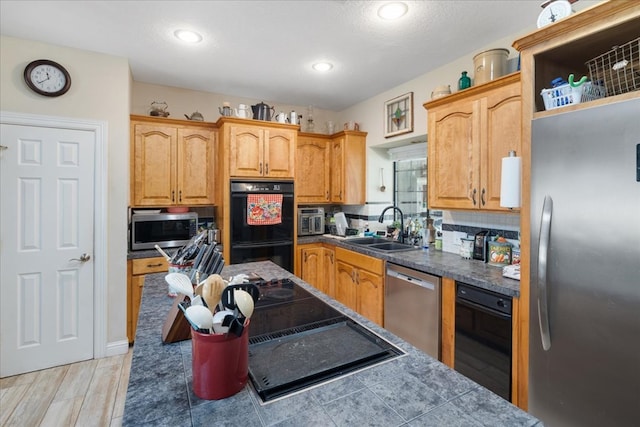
[365,240]
[392,247]
[382,245]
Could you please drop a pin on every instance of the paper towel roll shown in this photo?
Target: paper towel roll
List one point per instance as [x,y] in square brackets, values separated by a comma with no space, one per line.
[510,181]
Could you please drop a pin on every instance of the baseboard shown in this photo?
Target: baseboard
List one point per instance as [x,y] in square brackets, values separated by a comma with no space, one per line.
[116,348]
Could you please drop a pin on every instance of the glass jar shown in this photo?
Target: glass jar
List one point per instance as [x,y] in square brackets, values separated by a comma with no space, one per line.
[464,82]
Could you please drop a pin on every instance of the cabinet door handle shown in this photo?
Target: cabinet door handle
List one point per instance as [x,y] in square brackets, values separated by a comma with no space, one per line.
[260,168]
[180,196]
[305,257]
[173,196]
[331,256]
[327,195]
[473,196]
[482,197]
[154,265]
[266,168]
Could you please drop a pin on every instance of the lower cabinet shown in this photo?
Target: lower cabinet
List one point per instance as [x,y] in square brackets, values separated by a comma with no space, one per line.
[317,267]
[136,271]
[359,283]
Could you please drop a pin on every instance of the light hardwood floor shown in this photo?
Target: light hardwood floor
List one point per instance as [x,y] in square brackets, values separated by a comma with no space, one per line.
[89,393]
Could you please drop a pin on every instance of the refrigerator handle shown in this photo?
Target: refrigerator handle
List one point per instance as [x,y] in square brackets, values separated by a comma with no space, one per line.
[543,251]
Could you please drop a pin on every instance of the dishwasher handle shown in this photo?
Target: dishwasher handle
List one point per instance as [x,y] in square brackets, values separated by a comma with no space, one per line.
[410,279]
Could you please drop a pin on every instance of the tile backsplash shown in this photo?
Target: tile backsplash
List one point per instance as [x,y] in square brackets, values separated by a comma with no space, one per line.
[456,224]
[453,224]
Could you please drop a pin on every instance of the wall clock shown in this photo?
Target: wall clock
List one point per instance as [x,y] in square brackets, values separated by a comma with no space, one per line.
[47,77]
[553,12]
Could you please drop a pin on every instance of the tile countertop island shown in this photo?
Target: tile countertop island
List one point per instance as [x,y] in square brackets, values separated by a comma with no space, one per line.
[411,390]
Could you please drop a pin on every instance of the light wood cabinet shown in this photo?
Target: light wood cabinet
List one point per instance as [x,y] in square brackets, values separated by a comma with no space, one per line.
[256,151]
[317,267]
[313,168]
[359,283]
[172,162]
[250,149]
[331,169]
[136,271]
[348,168]
[557,50]
[469,134]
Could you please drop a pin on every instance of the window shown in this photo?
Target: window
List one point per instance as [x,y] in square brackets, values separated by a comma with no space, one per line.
[410,187]
[410,179]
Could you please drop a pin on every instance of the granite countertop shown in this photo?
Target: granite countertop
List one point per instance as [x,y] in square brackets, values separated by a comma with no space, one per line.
[411,390]
[434,262]
[438,263]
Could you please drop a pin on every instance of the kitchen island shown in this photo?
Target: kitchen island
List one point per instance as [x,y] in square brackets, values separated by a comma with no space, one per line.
[412,390]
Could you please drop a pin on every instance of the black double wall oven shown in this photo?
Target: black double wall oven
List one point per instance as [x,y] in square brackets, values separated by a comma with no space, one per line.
[272,240]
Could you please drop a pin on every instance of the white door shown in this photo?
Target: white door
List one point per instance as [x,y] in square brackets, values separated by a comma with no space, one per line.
[46,247]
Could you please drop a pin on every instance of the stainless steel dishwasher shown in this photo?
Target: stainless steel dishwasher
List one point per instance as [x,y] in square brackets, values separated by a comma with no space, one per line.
[412,307]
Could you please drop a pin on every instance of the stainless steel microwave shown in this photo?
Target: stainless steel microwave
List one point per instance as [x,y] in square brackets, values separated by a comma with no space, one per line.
[167,230]
[310,221]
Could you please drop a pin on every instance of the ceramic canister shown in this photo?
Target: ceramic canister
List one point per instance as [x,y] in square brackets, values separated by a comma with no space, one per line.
[489,65]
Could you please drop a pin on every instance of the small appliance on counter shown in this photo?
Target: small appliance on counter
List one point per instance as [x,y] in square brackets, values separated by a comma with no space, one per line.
[480,245]
[341,223]
[310,221]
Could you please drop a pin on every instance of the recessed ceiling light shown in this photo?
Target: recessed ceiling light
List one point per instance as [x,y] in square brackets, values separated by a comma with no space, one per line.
[322,66]
[392,10]
[188,36]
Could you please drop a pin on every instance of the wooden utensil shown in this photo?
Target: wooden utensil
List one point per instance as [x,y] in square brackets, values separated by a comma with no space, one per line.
[212,290]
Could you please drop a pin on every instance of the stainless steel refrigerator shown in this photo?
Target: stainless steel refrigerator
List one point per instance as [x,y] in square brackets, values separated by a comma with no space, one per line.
[585,267]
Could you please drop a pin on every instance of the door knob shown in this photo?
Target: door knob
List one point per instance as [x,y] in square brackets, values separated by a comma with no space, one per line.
[83,258]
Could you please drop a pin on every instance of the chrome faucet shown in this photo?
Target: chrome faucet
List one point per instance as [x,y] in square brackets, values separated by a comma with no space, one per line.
[395,208]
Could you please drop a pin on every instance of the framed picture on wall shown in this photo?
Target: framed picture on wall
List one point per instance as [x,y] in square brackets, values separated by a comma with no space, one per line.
[398,115]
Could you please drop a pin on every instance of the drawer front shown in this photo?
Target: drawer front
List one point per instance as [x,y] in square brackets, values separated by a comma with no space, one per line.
[149,265]
[364,262]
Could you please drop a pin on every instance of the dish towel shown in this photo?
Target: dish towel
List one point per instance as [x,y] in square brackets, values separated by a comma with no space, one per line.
[264,209]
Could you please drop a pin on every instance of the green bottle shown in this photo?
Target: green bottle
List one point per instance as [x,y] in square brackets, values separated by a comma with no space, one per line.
[464,81]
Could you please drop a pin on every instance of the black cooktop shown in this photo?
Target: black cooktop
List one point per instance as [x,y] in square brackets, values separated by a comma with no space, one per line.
[283,306]
[296,340]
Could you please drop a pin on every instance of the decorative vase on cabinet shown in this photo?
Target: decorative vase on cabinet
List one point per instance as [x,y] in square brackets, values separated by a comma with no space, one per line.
[464,82]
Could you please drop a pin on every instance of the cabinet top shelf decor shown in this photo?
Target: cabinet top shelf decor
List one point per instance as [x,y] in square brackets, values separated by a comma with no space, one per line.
[171,122]
[474,90]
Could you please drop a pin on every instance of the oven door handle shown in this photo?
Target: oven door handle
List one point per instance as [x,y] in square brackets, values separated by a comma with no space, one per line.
[483,308]
[261,245]
[543,252]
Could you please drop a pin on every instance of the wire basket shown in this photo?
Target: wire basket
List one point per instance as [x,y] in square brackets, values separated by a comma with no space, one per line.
[618,70]
[564,95]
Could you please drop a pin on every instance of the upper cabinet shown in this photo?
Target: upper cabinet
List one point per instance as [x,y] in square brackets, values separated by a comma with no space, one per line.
[348,168]
[172,162]
[607,31]
[259,151]
[469,134]
[313,168]
[331,168]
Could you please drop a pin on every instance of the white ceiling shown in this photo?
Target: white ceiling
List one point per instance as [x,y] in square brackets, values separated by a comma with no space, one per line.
[265,49]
